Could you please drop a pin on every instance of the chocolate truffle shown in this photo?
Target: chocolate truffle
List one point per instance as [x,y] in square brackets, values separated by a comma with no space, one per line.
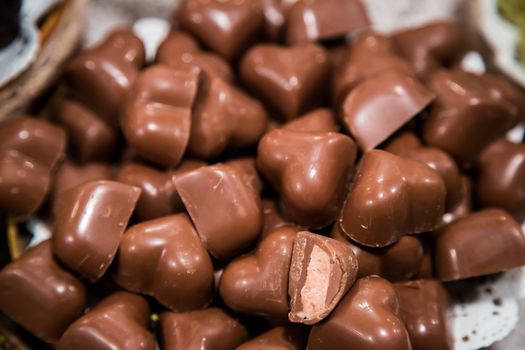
[282,338]
[37,293]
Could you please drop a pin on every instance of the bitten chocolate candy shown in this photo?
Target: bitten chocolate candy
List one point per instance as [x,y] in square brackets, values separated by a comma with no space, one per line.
[223,117]
[158,195]
[258,283]
[70,175]
[226,27]
[397,262]
[311,20]
[310,171]
[423,306]
[89,222]
[282,338]
[39,295]
[321,272]
[466,116]
[157,117]
[391,197]
[319,120]
[290,79]
[201,330]
[224,207]
[501,177]
[91,138]
[430,46]
[364,109]
[119,322]
[367,318]
[499,245]
[166,259]
[101,77]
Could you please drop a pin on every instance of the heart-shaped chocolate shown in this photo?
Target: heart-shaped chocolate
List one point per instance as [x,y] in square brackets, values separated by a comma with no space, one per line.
[157,118]
[310,170]
[258,283]
[391,197]
[223,117]
[290,79]
[226,27]
[165,258]
[368,318]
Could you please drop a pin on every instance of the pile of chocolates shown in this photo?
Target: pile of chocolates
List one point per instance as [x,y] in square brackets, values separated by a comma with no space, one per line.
[280,177]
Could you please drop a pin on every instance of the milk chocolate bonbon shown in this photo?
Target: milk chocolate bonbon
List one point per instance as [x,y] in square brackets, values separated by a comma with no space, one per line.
[89,222]
[70,175]
[165,258]
[37,293]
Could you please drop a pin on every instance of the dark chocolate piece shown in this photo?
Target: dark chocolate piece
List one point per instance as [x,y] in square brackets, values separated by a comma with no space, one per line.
[40,295]
[392,196]
[89,222]
[224,207]
[166,259]
[310,170]
[482,243]
[258,283]
[367,318]
[282,338]
[209,329]
[321,272]
[119,322]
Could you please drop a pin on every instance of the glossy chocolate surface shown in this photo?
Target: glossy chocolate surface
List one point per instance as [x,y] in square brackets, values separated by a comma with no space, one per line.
[275,15]
[102,76]
[311,20]
[397,262]
[367,318]
[258,283]
[246,166]
[209,329]
[226,27]
[322,270]
[224,117]
[365,108]
[37,293]
[392,196]
[318,120]
[89,222]
[119,322]
[70,175]
[310,170]
[157,117]
[290,79]
[282,338]
[165,258]
[224,207]
[423,307]
[498,240]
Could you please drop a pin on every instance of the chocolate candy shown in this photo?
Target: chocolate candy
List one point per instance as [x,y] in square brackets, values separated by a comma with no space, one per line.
[311,20]
[282,338]
[226,27]
[258,283]
[224,207]
[70,175]
[310,170]
[430,46]
[39,294]
[504,89]
[318,120]
[166,259]
[275,13]
[464,206]
[102,76]
[175,45]
[321,272]
[367,318]
[397,262]
[224,117]
[247,168]
[466,116]
[423,305]
[497,238]
[89,222]
[118,322]
[158,196]
[391,197]
[157,117]
[290,79]
[272,218]
[364,108]
[502,176]
[201,330]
